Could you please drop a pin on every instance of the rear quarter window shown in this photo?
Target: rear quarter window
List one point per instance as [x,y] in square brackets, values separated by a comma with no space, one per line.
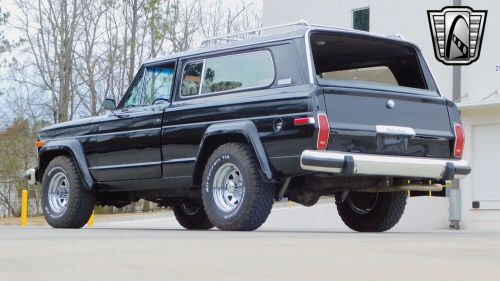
[228,73]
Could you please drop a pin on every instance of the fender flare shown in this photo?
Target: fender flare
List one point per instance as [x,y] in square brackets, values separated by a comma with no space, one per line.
[74,148]
[249,131]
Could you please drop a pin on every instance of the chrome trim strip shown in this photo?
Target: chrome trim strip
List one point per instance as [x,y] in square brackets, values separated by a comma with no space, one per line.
[285,157]
[382,165]
[172,161]
[307,41]
[143,164]
[179,160]
[203,61]
[124,132]
[203,71]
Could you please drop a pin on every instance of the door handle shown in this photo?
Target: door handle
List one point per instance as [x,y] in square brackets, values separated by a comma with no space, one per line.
[121,114]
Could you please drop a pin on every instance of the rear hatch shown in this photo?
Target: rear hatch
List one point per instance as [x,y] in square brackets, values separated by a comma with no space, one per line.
[380,97]
[387,122]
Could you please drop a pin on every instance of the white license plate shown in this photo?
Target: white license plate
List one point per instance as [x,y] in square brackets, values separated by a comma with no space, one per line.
[394,130]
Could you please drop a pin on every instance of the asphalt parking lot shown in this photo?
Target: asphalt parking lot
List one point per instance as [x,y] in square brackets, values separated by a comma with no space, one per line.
[155,248]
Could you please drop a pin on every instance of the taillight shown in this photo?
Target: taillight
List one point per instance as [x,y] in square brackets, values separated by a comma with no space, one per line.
[323,131]
[458,148]
[303,121]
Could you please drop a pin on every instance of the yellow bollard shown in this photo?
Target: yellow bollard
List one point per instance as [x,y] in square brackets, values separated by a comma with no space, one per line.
[90,223]
[24,207]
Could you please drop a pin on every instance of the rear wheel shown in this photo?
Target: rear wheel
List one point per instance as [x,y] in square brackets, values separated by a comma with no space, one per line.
[234,195]
[371,211]
[66,202]
[192,216]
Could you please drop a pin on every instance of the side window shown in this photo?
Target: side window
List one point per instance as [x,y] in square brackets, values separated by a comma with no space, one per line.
[158,84]
[191,79]
[248,70]
[135,97]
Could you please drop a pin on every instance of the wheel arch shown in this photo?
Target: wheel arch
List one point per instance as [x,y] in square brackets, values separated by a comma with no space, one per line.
[219,134]
[65,147]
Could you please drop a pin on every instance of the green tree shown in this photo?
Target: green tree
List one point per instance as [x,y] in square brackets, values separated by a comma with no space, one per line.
[18,153]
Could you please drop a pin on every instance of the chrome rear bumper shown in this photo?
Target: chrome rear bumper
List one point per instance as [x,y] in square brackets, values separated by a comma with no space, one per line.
[382,165]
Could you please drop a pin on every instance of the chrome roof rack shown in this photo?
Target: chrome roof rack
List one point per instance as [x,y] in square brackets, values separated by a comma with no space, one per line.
[253,33]
[397,36]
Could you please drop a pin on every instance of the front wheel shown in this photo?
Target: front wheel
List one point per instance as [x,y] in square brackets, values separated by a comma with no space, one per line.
[371,211]
[234,195]
[66,202]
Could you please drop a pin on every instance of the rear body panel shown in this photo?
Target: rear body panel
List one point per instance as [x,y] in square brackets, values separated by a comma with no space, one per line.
[355,113]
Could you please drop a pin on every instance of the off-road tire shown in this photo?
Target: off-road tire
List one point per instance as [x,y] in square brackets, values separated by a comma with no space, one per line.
[385,214]
[80,202]
[192,220]
[258,196]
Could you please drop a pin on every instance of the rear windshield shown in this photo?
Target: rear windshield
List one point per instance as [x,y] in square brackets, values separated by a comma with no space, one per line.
[365,59]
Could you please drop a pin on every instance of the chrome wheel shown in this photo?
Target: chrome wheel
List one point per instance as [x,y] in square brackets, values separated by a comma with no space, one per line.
[228,187]
[362,202]
[58,194]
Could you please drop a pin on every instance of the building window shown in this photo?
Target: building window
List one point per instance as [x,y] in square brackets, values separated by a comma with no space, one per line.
[361,19]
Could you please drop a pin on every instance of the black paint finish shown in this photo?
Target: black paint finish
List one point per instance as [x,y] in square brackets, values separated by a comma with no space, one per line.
[159,151]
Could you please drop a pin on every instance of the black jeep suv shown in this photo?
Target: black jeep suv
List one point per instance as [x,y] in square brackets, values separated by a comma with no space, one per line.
[221,132]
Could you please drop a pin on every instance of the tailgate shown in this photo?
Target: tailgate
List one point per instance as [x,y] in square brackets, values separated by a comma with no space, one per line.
[395,122]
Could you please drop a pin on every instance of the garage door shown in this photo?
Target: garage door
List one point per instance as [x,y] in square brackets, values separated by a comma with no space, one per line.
[486,163]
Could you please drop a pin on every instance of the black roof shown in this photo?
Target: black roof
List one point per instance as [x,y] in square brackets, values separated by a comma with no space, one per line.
[286,35]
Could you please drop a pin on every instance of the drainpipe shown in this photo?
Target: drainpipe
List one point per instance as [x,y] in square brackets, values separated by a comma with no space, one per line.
[454,193]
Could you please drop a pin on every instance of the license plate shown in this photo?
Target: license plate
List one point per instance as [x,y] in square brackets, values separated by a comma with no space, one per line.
[394,130]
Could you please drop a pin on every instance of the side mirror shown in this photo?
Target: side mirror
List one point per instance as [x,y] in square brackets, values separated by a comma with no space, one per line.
[109,104]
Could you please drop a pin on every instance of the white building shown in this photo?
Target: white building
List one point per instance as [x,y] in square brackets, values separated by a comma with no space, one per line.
[475,88]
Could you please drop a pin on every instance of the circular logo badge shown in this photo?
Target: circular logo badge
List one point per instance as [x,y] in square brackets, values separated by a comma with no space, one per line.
[390,104]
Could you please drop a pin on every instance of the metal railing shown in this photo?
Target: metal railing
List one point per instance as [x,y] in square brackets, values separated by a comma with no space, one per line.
[253,33]
[287,27]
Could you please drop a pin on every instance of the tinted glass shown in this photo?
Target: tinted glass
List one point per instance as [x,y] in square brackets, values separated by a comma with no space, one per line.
[238,71]
[157,84]
[191,79]
[134,99]
[361,19]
